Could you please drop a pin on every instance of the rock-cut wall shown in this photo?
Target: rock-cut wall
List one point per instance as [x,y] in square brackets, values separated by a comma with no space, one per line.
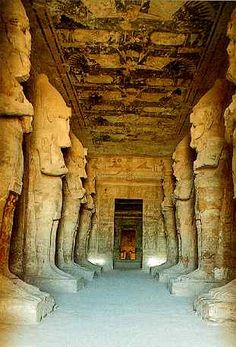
[128,178]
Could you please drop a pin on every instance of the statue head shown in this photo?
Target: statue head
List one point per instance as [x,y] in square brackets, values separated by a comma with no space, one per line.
[51,127]
[182,160]
[15,42]
[231,49]
[167,182]
[89,202]
[183,169]
[207,116]
[90,182]
[15,39]
[77,154]
[53,115]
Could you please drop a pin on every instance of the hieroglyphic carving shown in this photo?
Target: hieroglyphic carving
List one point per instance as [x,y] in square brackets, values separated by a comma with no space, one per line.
[127,167]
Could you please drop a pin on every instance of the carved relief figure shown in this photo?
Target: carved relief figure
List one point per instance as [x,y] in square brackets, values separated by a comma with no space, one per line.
[29,304]
[213,193]
[167,208]
[185,218]
[47,167]
[74,195]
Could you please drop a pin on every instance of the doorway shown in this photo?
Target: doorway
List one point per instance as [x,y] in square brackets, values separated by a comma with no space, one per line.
[128,234]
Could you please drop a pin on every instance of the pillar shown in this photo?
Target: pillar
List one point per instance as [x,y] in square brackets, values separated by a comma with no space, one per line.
[184,198]
[20,303]
[46,169]
[168,212]
[220,303]
[213,195]
[74,195]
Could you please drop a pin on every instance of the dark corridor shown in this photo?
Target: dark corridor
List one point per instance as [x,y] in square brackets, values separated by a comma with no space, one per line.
[128,226]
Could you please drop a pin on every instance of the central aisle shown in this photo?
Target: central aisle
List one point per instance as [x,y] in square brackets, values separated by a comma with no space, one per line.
[121,309]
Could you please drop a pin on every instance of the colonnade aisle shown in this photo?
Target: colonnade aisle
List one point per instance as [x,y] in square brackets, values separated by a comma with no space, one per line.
[121,309]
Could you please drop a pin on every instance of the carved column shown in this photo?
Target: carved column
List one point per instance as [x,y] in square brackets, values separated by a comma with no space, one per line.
[73,197]
[19,302]
[47,167]
[185,216]
[168,212]
[220,303]
[213,195]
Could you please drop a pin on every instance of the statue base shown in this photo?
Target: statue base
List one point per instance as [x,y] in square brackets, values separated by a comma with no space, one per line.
[31,310]
[78,271]
[61,284]
[194,284]
[23,304]
[219,305]
[191,288]
[173,272]
[155,270]
[90,266]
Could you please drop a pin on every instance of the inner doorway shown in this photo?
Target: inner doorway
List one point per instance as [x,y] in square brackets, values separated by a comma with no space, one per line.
[128,233]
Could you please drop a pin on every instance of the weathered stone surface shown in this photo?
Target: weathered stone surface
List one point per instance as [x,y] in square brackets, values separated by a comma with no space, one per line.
[46,169]
[214,208]
[184,198]
[73,197]
[19,302]
[167,209]
[220,303]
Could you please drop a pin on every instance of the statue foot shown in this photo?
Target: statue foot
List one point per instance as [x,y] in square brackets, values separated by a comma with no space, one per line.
[157,269]
[52,279]
[19,306]
[193,284]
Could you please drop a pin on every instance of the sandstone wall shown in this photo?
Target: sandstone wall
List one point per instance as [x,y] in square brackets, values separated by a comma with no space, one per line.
[128,178]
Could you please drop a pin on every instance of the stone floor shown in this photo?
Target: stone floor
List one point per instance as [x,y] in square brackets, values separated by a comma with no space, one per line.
[121,309]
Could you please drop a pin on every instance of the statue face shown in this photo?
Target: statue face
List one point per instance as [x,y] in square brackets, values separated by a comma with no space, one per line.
[176,165]
[92,186]
[20,61]
[18,55]
[27,124]
[231,73]
[231,49]
[15,38]
[81,167]
[62,128]
[197,119]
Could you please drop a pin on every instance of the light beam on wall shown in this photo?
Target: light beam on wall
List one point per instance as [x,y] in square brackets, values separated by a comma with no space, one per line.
[96,260]
[154,261]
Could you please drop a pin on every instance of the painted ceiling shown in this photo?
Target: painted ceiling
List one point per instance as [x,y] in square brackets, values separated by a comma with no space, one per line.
[131,69]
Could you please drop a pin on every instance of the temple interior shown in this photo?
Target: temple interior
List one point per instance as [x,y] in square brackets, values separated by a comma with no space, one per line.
[117,173]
